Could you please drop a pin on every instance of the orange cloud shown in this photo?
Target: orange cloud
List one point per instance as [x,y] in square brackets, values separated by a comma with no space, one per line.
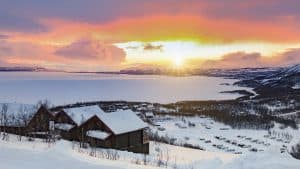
[168,27]
[86,54]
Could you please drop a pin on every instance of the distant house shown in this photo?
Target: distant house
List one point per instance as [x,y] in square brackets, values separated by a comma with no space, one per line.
[149,115]
[121,129]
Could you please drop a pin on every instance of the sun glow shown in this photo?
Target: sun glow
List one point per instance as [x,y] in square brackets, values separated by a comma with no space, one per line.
[178,61]
[186,53]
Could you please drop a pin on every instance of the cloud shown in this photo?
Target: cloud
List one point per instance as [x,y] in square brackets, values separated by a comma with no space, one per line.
[4,37]
[156,20]
[5,50]
[289,57]
[244,60]
[236,60]
[108,10]
[151,47]
[88,49]
[132,47]
[3,63]
[18,23]
[82,55]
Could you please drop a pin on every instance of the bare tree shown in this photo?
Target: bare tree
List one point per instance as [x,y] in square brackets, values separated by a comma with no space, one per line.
[145,159]
[82,143]
[4,120]
[160,161]
[46,103]
[167,158]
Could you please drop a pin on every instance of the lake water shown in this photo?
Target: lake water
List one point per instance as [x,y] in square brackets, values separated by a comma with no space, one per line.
[63,88]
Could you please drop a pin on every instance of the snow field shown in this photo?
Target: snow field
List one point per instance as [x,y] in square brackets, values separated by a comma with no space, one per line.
[217,137]
[65,155]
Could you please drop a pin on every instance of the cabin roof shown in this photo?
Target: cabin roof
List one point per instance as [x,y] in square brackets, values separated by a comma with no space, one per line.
[120,121]
[81,114]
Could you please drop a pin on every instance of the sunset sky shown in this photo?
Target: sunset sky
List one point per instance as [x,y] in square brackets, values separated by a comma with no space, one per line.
[109,35]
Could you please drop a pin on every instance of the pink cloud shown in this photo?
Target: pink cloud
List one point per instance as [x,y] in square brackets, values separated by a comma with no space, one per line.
[88,49]
[243,60]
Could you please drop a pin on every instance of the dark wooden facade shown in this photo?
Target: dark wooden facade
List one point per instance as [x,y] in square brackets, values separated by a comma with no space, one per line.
[62,117]
[133,141]
[40,121]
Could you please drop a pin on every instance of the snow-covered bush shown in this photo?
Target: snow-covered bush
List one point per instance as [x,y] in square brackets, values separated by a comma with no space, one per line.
[295,152]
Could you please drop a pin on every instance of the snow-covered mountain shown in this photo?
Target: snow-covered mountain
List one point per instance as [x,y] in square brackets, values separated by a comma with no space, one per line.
[286,78]
[269,82]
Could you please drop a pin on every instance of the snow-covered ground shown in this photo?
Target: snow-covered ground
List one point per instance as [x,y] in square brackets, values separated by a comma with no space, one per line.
[62,88]
[64,155]
[217,137]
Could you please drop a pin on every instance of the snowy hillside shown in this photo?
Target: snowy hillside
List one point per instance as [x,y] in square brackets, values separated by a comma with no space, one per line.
[291,70]
[39,155]
[207,134]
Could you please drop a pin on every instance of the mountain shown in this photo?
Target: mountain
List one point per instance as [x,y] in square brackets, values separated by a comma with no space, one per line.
[266,82]
[286,78]
[26,69]
[286,81]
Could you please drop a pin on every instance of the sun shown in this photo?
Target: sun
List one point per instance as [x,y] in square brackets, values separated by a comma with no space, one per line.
[178,61]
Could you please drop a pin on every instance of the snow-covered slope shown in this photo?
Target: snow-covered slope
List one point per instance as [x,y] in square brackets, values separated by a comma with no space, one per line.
[291,70]
[61,155]
[288,77]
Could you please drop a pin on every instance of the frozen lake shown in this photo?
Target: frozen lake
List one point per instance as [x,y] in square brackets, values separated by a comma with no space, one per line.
[62,88]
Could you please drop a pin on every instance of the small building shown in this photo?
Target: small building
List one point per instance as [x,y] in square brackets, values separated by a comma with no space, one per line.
[120,129]
[149,115]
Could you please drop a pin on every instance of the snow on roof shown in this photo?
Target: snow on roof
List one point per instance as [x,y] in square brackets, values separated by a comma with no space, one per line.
[149,114]
[98,134]
[17,114]
[120,121]
[81,114]
[64,126]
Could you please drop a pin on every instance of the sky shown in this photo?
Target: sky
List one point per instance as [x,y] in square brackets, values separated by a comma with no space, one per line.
[110,35]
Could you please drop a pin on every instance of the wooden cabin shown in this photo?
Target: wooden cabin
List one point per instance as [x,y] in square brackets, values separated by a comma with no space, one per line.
[121,129]
[41,124]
